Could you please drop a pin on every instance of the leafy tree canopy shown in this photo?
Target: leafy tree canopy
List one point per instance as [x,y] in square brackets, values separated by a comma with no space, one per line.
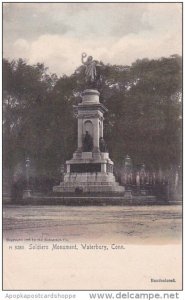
[144,118]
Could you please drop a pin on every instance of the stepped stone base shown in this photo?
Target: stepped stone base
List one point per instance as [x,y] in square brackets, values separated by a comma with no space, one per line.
[89,173]
[89,182]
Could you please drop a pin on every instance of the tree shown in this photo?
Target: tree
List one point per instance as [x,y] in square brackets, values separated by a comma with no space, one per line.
[25,88]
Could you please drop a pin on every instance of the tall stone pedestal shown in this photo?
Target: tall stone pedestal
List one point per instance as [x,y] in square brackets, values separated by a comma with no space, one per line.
[90,169]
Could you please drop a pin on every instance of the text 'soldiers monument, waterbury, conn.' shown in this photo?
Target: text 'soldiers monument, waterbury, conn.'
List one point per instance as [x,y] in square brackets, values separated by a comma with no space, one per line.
[90,169]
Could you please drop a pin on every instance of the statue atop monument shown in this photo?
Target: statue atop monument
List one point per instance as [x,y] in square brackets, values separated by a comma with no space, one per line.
[91,72]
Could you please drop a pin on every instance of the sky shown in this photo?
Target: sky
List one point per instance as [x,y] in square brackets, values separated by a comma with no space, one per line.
[56,34]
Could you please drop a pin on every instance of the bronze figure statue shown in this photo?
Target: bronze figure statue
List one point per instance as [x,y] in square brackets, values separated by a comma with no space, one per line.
[92,75]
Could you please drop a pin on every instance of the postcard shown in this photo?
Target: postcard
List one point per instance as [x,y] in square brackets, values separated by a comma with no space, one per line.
[92,146]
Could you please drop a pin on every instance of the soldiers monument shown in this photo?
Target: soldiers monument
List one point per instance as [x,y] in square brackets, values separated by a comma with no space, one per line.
[91,169]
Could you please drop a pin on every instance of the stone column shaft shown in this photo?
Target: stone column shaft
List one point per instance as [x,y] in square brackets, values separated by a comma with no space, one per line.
[96,133]
[101,129]
[80,125]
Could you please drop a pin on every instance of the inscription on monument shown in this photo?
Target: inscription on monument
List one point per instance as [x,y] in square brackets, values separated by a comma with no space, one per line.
[85,168]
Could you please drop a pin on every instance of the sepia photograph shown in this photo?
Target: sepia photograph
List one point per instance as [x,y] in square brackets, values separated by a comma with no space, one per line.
[92,146]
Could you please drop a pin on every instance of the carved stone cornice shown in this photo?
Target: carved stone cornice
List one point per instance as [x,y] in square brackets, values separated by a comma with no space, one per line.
[91,116]
[92,106]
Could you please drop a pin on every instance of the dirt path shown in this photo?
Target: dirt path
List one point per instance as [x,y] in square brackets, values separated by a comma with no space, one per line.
[129,224]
